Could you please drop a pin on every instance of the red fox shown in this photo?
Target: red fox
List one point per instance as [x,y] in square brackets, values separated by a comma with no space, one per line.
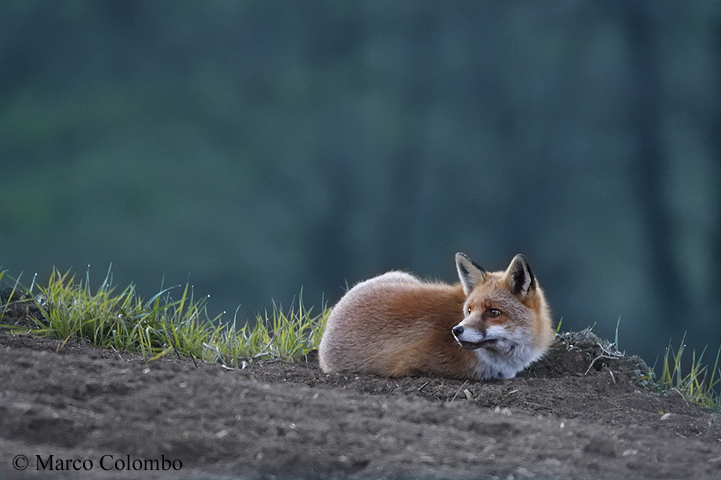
[490,325]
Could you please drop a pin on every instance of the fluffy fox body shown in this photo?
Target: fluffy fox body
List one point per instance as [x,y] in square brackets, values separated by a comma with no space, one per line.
[490,325]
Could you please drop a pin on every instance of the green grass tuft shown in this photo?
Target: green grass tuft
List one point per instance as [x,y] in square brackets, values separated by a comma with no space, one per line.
[697,386]
[122,321]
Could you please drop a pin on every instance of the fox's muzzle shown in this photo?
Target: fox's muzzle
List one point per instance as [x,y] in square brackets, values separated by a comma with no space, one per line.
[462,337]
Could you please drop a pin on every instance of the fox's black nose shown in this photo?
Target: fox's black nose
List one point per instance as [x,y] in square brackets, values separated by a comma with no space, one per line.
[457,330]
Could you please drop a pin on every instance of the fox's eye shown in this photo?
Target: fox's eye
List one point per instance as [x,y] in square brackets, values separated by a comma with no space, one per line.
[493,313]
[468,310]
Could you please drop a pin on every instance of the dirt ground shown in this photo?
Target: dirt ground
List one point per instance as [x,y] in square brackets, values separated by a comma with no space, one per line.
[81,412]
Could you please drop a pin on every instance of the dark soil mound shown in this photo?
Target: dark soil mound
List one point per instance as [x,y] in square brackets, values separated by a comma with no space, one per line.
[579,413]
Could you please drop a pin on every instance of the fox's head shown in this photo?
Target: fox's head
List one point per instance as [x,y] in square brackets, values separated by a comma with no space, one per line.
[505,315]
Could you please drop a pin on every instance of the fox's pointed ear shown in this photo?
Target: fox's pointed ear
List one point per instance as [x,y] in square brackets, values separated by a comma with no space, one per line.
[520,276]
[469,272]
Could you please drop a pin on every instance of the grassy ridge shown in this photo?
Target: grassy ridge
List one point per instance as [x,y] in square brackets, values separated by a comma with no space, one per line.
[163,325]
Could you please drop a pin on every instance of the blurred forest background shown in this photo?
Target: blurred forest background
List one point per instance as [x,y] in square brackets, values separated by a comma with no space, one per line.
[252,148]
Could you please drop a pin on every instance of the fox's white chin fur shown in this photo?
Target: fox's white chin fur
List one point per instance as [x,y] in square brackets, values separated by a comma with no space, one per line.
[501,353]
